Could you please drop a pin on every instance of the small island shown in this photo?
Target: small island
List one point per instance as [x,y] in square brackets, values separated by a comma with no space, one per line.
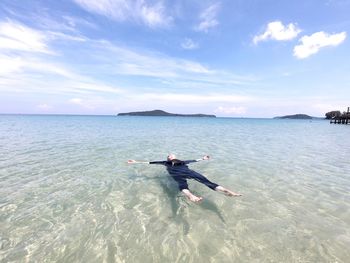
[296,117]
[162,113]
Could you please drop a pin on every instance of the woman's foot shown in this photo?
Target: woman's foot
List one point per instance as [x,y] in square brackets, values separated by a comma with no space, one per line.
[226,191]
[191,196]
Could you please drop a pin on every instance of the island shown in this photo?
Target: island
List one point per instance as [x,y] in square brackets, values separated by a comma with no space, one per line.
[296,116]
[162,113]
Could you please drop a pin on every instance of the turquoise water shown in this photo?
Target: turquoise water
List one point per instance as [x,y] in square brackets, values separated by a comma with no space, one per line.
[67,194]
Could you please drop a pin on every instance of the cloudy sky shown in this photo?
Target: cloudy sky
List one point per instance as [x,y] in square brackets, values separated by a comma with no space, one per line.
[240,58]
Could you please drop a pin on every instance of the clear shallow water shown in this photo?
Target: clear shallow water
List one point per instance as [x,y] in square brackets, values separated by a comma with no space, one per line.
[67,194]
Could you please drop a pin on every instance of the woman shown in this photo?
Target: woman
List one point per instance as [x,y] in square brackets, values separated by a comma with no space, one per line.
[180,172]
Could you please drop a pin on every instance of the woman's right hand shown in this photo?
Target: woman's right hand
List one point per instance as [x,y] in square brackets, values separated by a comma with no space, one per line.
[131,161]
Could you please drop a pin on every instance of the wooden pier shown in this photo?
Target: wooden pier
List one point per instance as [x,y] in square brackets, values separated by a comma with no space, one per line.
[342,119]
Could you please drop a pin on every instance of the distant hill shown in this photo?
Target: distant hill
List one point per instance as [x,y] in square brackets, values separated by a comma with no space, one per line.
[162,113]
[296,116]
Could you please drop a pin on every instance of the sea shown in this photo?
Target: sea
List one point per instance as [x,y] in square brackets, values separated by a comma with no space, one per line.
[67,193]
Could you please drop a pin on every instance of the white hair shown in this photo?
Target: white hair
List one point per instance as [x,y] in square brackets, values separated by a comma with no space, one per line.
[171,155]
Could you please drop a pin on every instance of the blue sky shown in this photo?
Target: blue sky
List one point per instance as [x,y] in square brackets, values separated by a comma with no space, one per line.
[239,58]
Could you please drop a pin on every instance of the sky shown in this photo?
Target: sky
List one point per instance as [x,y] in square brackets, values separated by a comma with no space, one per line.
[231,58]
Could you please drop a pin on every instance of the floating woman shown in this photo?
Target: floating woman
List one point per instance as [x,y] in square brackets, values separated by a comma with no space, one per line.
[180,172]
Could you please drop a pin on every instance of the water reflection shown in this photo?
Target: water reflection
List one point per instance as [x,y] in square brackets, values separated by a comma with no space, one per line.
[177,204]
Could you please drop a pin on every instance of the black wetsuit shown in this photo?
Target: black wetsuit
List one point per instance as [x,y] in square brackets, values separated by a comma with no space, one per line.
[180,172]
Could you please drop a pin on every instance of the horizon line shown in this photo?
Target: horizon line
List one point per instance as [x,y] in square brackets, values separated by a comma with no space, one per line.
[116,115]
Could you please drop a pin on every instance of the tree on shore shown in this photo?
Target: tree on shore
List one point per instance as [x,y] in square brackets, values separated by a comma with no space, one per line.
[332,114]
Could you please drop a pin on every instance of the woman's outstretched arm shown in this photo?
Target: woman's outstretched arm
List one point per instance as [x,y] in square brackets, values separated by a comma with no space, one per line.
[146,162]
[205,157]
[134,161]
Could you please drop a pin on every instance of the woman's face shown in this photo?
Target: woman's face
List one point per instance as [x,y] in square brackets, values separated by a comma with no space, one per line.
[171,157]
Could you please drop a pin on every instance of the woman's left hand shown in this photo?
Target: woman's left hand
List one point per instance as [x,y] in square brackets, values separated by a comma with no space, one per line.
[206,157]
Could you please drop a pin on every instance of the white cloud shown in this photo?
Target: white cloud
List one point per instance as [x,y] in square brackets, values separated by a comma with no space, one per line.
[195,67]
[110,58]
[44,107]
[189,44]
[77,101]
[52,85]
[208,18]
[73,22]
[9,65]
[152,15]
[312,44]
[40,73]
[152,64]
[83,103]
[178,73]
[110,8]
[63,36]
[231,110]
[17,64]
[15,36]
[23,59]
[192,98]
[94,86]
[277,31]
[94,103]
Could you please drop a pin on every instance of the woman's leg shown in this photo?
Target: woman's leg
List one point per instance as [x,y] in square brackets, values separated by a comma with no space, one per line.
[183,187]
[202,179]
[226,191]
[191,196]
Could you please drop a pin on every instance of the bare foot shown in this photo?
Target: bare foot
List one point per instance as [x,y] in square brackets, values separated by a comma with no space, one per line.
[230,193]
[191,196]
[226,191]
[195,199]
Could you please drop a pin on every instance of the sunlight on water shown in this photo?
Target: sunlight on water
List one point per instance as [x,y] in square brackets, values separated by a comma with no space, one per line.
[67,194]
